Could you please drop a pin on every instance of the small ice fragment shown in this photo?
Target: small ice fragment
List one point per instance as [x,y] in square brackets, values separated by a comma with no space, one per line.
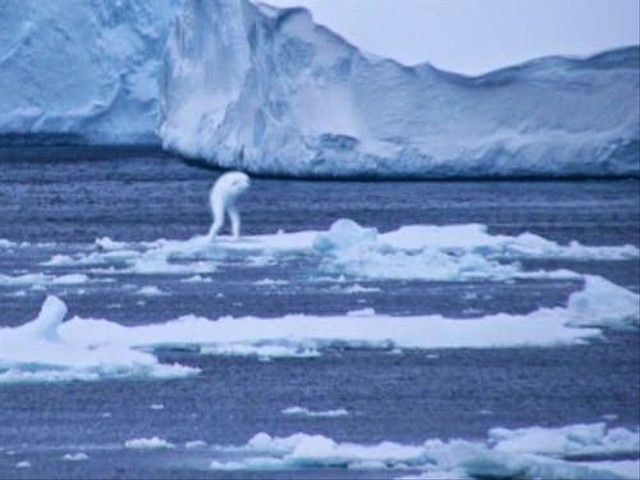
[148,443]
[156,406]
[195,444]
[150,290]
[75,457]
[23,464]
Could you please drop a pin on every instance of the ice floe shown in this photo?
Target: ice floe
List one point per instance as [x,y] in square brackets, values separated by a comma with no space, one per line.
[418,252]
[447,253]
[46,349]
[37,352]
[604,304]
[42,279]
[435,458]
[594,439]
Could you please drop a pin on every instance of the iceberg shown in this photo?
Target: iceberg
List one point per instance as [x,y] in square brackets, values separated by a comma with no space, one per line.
[245,86]
[270,92]
[85,72]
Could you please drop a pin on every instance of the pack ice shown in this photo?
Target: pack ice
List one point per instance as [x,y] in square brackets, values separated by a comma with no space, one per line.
[269,91]
[526,453]
[46,349]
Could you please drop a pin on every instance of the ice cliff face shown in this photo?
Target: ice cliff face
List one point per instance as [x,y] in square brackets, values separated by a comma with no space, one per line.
[82,71]
[270,92]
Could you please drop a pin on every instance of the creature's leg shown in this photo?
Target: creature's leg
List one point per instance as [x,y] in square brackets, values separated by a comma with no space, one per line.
[235,221]
[217,209]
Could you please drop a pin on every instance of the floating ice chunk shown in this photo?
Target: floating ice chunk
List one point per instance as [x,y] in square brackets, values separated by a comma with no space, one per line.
[105,243]
[75,457]
[575,440]
[285,350]
[42,279]
[301,335]
[269,282]
[89,349]
[4,243]
[305,412]
[352,289]
[197,279]
[70,279]
[150,291]
[344,234]
[148,443]
[628,469]
[156,406]
[434,458]
[421,252]
[23,464]
[36,352]
[45,326]
[452,253]
[604,304]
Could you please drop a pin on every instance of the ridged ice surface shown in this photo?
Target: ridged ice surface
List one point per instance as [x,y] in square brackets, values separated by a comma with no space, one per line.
[270,91]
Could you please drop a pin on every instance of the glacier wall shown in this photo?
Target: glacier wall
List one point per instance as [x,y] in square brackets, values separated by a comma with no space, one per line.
[246,86]
[270,92]
[82,70]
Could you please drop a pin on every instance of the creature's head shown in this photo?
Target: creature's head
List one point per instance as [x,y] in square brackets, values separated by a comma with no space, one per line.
[230,185]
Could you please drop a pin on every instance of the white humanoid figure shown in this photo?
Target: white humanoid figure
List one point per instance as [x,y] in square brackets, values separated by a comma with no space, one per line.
[223,198]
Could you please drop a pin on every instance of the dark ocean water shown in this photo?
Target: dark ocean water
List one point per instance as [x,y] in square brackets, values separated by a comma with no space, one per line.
[60,199]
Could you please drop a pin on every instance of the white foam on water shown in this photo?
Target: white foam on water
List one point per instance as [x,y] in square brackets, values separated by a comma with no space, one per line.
[435,458]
